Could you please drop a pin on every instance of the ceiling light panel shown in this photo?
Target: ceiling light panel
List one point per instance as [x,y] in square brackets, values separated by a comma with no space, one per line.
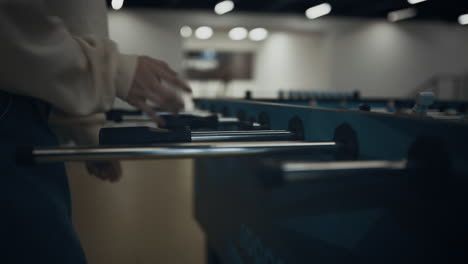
[403,14]
[463,19]
[117,4]
[258,34]
[204,33]
[413,2]
[224,7]
[318,11]
[186,31]
[238,33]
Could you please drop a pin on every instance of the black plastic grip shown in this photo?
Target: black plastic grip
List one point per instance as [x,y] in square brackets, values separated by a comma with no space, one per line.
[194,122]
[143,136]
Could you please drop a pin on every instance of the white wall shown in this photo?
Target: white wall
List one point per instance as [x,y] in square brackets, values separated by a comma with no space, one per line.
[384,59]
[374,56]
[285,60]
[221,42]
[291,61]
[143,33]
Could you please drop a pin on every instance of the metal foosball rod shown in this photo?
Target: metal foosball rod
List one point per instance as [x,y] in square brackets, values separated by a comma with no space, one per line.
[148,135]
[259,135]
[234,121]
[302,172]
[228,120]
[221,120]
[297,172]
[29,155]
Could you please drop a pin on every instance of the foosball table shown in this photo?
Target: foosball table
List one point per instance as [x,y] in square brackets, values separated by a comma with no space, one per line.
[281,182]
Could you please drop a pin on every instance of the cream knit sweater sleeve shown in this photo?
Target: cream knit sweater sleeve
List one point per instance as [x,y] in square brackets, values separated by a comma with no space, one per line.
[79,75]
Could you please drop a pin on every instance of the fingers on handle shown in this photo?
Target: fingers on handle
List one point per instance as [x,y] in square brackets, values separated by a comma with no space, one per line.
[166,67]
[168,74]
[105,171]
[118,170]
[166,98]
[91,170]
[179,83]
[150,112]
[115,171]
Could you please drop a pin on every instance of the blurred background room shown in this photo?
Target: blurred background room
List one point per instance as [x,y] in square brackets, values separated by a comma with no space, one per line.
[268,49]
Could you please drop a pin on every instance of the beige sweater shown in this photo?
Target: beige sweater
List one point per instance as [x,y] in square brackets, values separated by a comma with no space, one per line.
[59,51]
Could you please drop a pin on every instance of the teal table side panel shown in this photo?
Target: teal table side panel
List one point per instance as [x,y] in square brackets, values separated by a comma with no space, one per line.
[381,136]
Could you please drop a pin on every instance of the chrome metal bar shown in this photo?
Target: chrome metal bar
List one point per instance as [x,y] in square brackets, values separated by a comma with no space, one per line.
[228,120]
[251,132]
[223,136]
[222,121]
[176,151]
[298,172]
[234,121]
[146,118]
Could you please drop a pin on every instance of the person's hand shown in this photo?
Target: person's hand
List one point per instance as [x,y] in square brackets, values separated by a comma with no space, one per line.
[105,170]
[155,81]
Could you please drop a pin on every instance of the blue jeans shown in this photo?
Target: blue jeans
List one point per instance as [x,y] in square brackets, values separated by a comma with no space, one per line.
[35,209]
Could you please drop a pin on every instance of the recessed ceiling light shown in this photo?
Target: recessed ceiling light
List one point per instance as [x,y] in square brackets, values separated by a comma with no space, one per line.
[463,19]
[204,32]
[186,31]
[258,34]
[318,11]
[117,4]
[238,33]
[402,14]
[224,7]
[413,2]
